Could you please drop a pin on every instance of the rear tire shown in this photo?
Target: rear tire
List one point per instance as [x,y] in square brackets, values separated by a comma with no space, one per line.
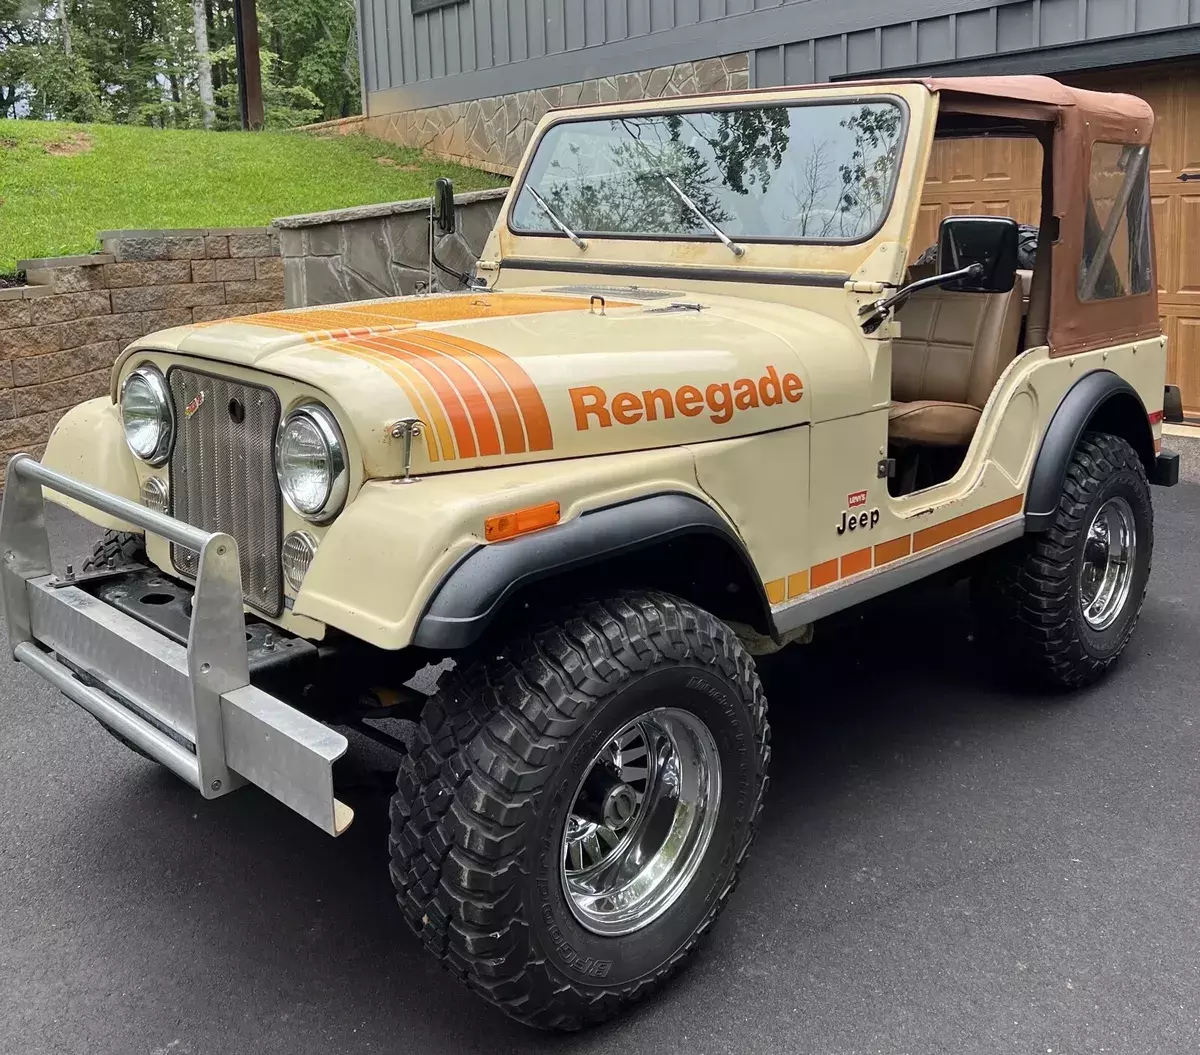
[1063,604]
[488,807]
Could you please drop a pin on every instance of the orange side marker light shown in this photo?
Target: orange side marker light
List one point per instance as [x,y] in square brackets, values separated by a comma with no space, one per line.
[521,522]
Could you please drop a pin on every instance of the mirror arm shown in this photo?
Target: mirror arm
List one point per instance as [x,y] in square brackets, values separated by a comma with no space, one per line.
[878,310]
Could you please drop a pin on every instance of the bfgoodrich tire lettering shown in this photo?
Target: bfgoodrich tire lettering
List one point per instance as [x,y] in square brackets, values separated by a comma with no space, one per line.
[1030,596]
[482,802]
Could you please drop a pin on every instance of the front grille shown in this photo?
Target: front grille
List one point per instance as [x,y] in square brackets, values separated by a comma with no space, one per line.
[223,476]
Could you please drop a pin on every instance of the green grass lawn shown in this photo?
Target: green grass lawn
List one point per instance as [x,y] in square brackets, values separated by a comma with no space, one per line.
[61,183]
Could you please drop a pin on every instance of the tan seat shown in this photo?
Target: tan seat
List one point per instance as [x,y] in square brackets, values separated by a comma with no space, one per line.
[953,349]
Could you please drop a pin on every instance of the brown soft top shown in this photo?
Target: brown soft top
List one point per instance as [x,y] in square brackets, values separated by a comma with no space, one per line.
[1106,106]
[1109,108]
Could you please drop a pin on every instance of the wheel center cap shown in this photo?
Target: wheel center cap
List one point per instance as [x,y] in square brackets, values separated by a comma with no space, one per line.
[619,806]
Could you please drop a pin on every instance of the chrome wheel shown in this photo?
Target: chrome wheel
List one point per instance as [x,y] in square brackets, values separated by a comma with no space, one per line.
[640,822]
[1106,573]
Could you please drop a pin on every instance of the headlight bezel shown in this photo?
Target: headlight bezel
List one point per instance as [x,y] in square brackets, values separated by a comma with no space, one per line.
[338,464]
[154,379]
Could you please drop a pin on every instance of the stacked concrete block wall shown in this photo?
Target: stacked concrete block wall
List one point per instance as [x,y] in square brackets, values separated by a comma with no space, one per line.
[379,250]
[62,331]
[492,133]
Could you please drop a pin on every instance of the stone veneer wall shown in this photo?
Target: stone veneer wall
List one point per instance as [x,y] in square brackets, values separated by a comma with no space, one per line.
[493,133]
[379,250]
[60,333]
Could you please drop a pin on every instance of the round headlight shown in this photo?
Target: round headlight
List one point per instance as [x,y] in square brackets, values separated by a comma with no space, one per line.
[147,415]
[310,461]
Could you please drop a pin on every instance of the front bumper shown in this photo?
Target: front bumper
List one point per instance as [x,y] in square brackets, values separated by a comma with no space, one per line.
[191,707]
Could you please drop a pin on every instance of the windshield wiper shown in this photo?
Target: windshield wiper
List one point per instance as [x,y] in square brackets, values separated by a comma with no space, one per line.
[557,220]
[726,241]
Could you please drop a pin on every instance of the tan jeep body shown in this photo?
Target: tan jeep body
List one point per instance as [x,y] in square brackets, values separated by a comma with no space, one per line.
[627,464]
[768,403]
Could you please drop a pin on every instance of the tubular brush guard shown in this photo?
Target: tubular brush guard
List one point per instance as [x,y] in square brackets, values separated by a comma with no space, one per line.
[191,708]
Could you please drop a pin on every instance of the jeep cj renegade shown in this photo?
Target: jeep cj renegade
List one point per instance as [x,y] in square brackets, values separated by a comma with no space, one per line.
[705,388]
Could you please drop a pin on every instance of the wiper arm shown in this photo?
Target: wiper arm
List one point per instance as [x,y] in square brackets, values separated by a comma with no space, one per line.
[557,220]
[726,241]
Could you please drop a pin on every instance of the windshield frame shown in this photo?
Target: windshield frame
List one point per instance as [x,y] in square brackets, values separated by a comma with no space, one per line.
[900,103]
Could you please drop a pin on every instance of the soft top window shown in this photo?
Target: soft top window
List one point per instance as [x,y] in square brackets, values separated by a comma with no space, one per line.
[1117,258]
[817,173]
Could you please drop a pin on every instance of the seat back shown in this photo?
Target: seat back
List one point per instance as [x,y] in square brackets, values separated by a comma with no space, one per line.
[954,346]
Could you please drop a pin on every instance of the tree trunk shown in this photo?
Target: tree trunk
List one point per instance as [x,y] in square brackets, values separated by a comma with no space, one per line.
[66,27]
[203,63]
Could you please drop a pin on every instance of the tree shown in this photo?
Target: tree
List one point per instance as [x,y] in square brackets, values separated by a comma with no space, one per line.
[867,174]
[203,65]
[170,63]
[316,43]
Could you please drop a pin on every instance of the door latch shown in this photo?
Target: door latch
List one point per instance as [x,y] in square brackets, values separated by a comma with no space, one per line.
[887,468]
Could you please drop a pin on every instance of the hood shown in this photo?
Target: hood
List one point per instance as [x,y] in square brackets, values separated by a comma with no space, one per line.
[500,378]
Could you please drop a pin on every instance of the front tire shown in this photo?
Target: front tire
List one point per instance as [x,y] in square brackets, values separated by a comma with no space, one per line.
[113,550]
[1064,604]
[534,763]
[116,549]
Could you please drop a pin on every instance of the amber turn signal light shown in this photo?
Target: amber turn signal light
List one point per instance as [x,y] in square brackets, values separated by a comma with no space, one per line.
[509,525]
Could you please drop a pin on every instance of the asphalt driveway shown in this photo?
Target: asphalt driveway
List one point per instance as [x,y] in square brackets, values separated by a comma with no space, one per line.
[946,865]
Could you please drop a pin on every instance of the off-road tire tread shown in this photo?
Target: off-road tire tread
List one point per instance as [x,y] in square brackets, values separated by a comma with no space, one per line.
[120,547]
[472,781]
[1025,597]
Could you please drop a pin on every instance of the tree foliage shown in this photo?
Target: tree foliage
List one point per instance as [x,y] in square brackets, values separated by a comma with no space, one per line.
[135,61]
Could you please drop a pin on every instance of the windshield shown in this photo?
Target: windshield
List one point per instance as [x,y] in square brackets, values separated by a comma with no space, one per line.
[817,173]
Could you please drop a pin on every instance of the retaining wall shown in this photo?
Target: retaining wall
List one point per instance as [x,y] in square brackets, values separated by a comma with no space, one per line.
[60,333]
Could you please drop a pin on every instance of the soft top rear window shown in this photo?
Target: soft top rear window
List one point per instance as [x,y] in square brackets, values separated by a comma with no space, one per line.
[818,172]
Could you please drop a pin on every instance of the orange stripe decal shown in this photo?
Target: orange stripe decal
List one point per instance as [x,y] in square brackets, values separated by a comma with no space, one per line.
[507,412]
[823,574]
[419,395]
[857,562]
[479,407]
[968,522]
[529,400]
[886,552]
[447,395]
[406,312]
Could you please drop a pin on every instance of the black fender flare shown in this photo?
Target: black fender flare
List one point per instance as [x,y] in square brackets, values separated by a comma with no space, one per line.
[1093,393]
[471,594]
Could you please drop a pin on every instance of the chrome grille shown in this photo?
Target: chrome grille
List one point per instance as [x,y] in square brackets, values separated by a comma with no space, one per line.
[223,475]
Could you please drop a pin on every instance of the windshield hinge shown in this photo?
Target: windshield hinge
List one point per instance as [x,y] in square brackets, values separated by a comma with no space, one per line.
[868,287]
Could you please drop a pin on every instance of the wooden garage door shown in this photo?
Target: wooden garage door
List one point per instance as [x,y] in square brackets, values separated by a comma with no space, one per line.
[1003,177]
[981,177]
[1174,93]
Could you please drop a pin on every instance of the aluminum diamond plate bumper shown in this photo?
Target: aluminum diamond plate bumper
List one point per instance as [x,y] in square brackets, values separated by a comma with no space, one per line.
[191,708]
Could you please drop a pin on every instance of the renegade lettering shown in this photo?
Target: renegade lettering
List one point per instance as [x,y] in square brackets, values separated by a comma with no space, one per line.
[721,401]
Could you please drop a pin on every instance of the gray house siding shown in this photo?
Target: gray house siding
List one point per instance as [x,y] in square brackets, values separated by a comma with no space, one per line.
[1021,35]
[490,48]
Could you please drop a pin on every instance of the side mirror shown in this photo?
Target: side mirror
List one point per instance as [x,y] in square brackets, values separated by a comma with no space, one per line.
[991,241]
[443,205]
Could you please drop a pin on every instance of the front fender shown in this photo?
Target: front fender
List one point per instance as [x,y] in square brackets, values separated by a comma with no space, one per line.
[379,565]
[470,597]
[88,444]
